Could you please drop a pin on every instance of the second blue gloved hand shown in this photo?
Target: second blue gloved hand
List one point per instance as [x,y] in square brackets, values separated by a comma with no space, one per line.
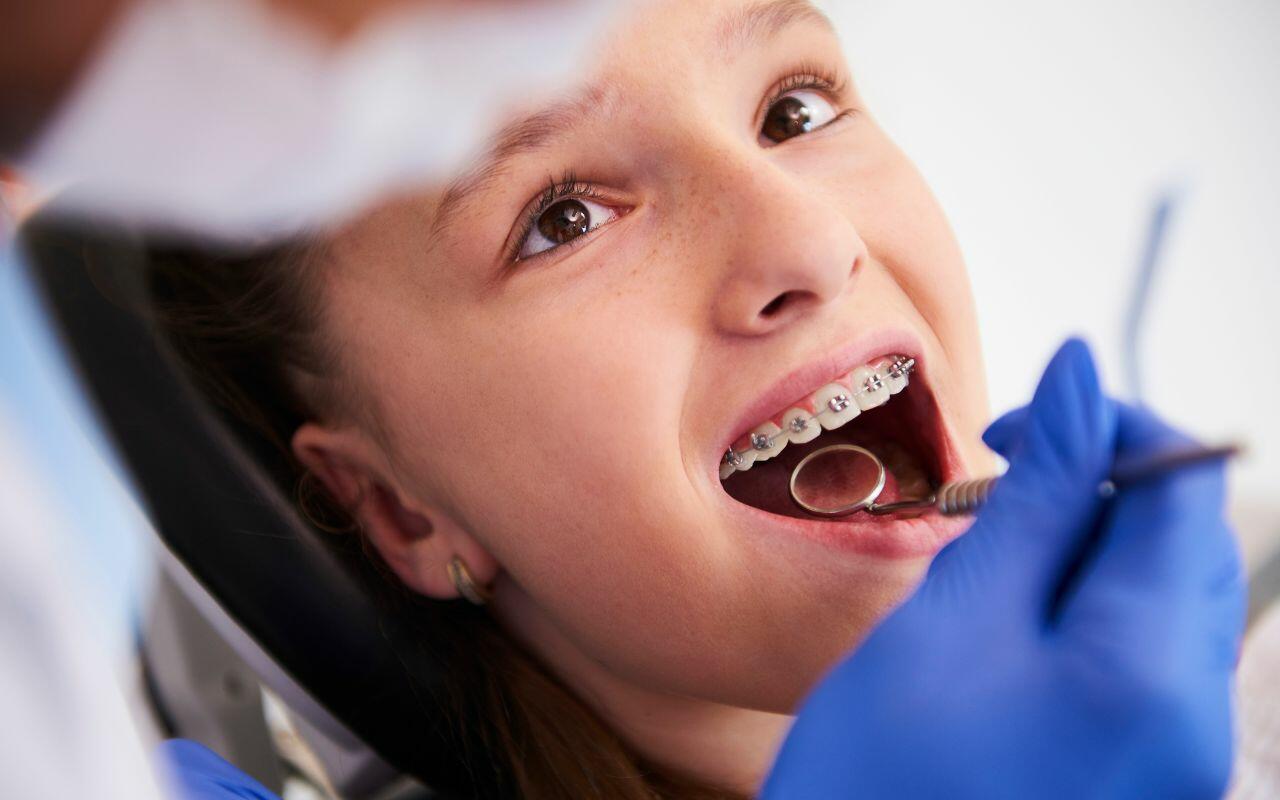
[1067,646]
[198,773]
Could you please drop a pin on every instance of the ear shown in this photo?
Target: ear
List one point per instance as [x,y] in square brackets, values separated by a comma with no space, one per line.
[416,541]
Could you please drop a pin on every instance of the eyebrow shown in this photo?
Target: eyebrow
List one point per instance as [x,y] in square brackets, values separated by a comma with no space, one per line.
[761,21]
[526,135]
[739,29]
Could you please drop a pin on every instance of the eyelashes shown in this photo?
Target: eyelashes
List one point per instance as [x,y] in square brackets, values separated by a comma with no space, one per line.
[807,75]
[555,190]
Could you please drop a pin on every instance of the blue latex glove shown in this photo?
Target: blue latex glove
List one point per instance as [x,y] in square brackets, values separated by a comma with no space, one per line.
[200,774]
[1065,647]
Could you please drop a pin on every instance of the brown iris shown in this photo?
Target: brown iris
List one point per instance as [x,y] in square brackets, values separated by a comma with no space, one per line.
[786,119]
[564,221]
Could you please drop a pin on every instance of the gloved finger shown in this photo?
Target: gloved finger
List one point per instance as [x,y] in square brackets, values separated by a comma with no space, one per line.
[1166,577]
[1068,439]
[1139,431]
[1141,434]
[1005,433]
[1046,506]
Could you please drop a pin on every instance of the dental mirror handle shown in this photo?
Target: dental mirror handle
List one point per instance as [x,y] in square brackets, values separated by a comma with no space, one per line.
[966,497]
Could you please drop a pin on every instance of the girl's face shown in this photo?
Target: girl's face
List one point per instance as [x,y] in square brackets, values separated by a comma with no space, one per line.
[552,355]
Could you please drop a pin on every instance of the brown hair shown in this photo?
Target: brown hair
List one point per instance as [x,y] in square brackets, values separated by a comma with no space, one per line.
[245,326]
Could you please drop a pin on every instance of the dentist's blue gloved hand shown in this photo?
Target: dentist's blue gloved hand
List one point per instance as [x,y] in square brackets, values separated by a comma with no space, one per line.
[200,774]
[1065,647]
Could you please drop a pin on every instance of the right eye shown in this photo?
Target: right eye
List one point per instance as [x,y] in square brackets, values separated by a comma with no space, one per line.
[563,221]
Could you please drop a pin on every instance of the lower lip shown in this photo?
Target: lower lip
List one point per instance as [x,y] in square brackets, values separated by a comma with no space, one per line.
[879,537]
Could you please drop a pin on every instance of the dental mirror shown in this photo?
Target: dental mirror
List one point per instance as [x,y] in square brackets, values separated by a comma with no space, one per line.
[844,479]
[837,480]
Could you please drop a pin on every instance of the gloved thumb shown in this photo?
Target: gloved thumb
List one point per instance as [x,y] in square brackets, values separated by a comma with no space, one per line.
[1042,512]
[1004,435]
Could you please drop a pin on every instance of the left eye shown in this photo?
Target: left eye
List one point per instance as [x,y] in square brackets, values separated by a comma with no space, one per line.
[562,222]
[796,113]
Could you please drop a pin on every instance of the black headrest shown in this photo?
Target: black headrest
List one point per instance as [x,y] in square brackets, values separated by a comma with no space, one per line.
[220,515]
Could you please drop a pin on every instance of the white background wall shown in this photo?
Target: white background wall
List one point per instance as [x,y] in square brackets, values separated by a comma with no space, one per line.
[1047,131]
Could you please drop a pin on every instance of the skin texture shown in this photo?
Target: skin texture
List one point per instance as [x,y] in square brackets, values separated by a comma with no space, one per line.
[556,421]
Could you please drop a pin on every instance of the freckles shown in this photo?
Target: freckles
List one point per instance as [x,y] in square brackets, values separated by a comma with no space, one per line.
[657,254]
[640,265]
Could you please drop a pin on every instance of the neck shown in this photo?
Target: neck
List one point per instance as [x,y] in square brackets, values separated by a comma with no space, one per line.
[724,745]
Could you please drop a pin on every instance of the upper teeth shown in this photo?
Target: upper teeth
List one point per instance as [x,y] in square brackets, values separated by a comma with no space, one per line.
[833,405]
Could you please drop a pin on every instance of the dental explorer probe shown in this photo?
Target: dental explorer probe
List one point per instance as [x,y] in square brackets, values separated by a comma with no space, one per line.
[966,497]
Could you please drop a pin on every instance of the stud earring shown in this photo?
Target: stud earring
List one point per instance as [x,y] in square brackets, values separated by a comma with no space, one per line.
[466,584]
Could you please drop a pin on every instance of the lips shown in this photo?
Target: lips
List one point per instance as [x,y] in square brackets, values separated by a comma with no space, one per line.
[908,433]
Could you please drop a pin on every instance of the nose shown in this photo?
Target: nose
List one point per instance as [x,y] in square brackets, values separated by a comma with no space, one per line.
[790,250]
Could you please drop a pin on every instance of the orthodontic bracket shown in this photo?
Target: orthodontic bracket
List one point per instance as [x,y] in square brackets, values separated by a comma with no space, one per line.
[900,368]
[731,457]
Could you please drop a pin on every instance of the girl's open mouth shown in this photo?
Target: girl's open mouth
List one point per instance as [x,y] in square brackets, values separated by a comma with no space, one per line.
[885,406]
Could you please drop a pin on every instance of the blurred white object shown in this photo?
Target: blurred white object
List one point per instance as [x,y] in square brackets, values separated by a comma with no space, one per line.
[66,731]
[225,118]
[1258,766]
[72,568]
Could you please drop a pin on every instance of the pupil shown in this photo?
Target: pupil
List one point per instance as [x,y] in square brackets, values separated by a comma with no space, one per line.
[787,119]
[564,221]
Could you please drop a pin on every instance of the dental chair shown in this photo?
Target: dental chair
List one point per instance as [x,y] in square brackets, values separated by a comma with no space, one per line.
[250,601]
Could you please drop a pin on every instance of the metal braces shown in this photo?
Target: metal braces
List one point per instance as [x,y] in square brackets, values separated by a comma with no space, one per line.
[900,368]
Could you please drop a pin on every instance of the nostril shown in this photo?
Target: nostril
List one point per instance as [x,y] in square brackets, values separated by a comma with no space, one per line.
[782,301]
[777,304]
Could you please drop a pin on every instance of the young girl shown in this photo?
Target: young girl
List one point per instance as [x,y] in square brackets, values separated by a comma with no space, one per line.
[570,385]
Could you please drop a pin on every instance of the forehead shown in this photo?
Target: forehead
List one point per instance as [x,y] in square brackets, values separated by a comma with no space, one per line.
[651,36]
[721,28]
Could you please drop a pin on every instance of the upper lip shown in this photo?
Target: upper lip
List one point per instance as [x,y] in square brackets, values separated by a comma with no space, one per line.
[807,379]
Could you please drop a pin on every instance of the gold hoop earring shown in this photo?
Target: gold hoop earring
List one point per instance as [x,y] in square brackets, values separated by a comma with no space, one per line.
[465,584]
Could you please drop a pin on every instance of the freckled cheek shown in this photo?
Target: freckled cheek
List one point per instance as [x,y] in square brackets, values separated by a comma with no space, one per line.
[906,230]
[583,397]
[580,467]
